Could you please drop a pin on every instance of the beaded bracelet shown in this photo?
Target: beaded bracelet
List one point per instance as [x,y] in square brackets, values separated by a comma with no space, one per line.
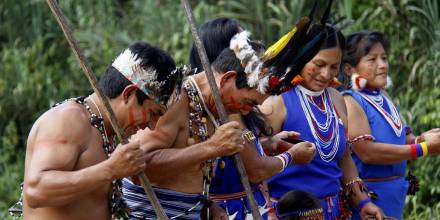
[362,204]
[354,180]
[285,158]
[365,137]
[419,150]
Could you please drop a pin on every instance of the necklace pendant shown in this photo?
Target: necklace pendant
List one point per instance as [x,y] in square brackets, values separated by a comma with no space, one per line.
[190,141]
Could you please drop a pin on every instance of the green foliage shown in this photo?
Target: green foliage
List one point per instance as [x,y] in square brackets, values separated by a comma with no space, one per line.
[38,68]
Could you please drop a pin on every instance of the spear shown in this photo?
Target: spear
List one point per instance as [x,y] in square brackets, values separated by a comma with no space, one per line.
[219,105]
[61,19]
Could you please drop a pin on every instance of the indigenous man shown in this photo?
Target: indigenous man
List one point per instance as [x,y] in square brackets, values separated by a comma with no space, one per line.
[183,163]
[72,162]
[226,188]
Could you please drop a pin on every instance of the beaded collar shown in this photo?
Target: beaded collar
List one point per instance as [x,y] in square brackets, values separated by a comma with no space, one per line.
[198,129]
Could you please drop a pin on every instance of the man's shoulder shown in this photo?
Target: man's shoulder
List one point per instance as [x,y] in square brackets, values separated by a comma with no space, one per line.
[69,120]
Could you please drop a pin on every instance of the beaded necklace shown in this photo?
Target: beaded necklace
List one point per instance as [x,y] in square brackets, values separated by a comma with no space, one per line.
[392,118]
[198,129]
[117,205]
[326,134]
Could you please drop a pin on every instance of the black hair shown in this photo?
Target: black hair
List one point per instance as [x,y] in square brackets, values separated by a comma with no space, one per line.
[215,36]
[227,61]
[358,45]
[296,201]
[334,38]
[113,82]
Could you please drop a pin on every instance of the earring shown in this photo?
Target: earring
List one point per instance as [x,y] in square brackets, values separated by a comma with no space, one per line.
[358,82]
[297,80]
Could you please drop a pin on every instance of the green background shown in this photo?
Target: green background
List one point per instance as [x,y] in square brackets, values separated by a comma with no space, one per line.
[38,69]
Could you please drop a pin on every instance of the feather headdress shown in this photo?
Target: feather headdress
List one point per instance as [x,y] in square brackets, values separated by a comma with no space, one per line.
[274,71]
[129,65]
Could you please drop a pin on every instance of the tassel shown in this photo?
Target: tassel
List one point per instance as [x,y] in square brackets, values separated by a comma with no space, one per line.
[357,82]
[297,80]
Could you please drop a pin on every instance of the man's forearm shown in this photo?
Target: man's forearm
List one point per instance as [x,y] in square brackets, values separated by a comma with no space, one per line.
[165,163]
[57,188]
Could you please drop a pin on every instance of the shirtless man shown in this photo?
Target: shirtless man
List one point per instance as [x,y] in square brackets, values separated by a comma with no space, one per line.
[68,173]
[178,167]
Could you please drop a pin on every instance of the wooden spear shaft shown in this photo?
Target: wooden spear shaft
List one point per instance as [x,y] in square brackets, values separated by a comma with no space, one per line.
[219,105]
[59,16]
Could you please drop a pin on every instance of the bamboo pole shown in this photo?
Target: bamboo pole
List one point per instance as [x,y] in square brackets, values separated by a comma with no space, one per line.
[59,16]
[219,105]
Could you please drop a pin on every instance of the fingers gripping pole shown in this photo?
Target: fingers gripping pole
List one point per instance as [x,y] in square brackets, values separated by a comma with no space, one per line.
[57,13]
[219,105]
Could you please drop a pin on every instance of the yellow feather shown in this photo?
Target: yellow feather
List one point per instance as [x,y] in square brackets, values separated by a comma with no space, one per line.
[276,48]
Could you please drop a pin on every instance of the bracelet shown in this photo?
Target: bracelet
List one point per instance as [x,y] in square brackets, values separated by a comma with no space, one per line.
[362,204]
[354,180]
[419,150]
[424,148]
[416,141]
[285,158]
[413,152]
[365,137]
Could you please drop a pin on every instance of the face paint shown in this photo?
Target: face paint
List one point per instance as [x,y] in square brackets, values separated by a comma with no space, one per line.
[233,104]
[52,141]
[145,116]
[130,120]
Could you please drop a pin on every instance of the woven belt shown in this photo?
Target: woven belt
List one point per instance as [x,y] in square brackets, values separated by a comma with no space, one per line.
[222,197]
[377,179]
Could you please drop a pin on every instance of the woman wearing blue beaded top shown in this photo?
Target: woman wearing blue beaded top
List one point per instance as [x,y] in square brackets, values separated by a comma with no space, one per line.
[381,142]
[318,113]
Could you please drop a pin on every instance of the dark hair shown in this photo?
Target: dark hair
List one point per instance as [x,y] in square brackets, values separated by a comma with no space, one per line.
[215,35]
[227,61]
[113,82]
[334,38]
[358,45]
[296,201]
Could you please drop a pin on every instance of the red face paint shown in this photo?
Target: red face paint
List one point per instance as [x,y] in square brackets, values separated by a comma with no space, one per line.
[234,104]
[52,141]
[145,118]
[130,120]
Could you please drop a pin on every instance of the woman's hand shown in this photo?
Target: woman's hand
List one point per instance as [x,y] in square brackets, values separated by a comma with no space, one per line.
[370,209]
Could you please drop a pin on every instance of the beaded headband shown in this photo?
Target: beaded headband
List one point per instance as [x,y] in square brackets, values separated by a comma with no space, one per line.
[249,59]
[304,214]
[129,65]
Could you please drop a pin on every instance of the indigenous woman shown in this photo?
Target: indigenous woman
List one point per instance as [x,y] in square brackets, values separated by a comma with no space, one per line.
[380,141]
[318,113]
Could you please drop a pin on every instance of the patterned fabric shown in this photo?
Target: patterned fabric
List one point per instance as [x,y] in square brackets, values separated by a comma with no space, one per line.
[176,205]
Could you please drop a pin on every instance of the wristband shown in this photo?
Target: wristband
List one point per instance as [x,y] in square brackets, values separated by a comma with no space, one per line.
[362,204]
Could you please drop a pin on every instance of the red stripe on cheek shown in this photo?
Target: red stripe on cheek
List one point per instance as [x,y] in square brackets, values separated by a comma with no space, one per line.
[130,116]
[145,115]
[234,104]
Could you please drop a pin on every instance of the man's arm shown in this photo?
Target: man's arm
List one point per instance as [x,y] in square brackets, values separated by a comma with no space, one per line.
[55,145]
[259,167]
[166,157]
